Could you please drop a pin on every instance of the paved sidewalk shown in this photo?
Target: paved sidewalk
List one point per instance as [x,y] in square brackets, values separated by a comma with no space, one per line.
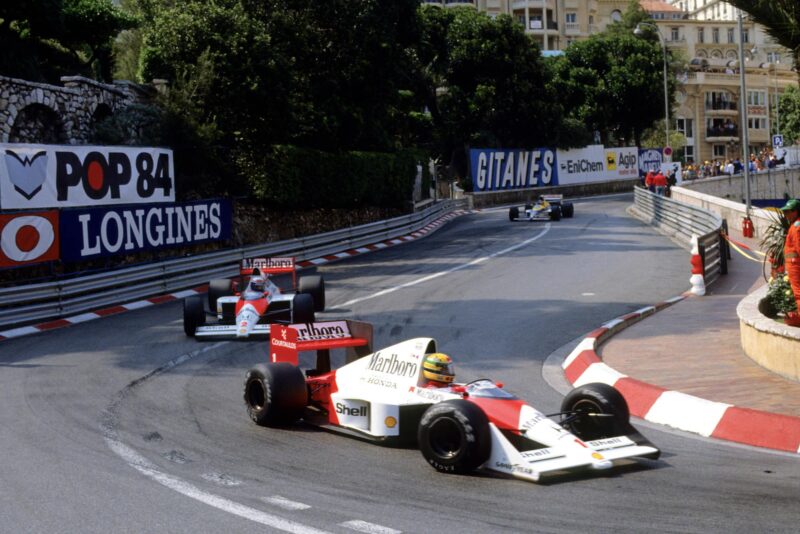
[680,363]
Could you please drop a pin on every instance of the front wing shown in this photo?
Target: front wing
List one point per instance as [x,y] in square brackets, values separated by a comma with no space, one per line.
[230,330]
[531,465]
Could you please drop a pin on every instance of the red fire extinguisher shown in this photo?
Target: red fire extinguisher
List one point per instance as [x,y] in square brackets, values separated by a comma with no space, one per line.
[747,227]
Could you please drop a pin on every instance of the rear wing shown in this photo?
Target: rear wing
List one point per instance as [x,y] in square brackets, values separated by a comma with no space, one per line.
[288,341]
[553,198]
[283,265]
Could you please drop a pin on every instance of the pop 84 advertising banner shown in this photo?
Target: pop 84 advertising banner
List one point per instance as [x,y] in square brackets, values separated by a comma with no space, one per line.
[96,232]
[59,176]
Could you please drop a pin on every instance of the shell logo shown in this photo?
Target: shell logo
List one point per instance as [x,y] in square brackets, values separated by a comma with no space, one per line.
[390,422]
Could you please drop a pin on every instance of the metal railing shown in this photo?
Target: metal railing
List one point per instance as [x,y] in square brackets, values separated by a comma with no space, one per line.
[682,221]
[62,298]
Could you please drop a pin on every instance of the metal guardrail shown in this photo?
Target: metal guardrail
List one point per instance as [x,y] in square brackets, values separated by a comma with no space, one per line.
[683,221]
[63,298]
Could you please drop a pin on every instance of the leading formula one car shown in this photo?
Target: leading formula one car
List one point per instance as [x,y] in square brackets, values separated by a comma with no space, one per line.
[247,306]
[386,397]
[547,208]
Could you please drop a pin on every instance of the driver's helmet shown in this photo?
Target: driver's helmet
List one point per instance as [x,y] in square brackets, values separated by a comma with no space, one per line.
[438,367]
[258,283]
[541,198]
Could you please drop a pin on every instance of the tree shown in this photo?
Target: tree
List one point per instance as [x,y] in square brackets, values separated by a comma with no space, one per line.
[484,83]
[780,18]
[614,84]
[42,40]
[789,110]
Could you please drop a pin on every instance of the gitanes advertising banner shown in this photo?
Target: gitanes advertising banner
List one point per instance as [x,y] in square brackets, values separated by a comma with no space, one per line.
[498,170]
[97,232]
[58,176]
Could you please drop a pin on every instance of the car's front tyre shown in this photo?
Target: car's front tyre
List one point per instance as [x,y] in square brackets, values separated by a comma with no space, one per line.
[595,411]
[194,315]
[454,436]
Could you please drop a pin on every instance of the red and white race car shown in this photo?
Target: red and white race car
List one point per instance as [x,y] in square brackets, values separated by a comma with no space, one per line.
[384,397]
[247,306]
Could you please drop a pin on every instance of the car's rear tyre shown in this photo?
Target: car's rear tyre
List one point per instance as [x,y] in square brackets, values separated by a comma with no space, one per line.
[454,436]
[567,210]
[555,213]
[193,314]
[302,309]
[314,286]
[220,287]
[595,411]
[275,394]
[513,214]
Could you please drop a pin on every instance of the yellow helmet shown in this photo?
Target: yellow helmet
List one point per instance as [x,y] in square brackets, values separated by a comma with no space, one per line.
[438,367]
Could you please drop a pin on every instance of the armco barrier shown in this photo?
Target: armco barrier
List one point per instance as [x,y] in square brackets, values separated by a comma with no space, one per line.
[681,221]
[61,298]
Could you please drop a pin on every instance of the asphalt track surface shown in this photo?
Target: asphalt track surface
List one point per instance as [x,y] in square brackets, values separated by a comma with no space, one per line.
[125,425]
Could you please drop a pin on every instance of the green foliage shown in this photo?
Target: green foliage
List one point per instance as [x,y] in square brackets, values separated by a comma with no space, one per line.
[780,295]
[294,177]
[774,238]
[789,110]
[42,40]
[613,83]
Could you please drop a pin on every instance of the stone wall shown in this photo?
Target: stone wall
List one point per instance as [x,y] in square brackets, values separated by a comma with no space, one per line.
[41,113]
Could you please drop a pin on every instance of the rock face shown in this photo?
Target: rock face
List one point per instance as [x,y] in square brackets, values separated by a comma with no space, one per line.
[41,113]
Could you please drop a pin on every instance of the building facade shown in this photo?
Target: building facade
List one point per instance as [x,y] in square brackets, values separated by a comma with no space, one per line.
[702,34]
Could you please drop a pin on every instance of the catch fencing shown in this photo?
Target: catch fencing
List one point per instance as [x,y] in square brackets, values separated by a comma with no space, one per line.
[681,221]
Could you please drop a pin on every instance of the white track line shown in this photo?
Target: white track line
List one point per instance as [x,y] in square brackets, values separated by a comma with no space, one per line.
[448,271]
[286,504]
[368,528]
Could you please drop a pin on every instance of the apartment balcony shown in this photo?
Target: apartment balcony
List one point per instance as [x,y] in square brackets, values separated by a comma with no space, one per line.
[722,134]
[538,29]
[722,109]
[459,3]
[522,4]
[572,28]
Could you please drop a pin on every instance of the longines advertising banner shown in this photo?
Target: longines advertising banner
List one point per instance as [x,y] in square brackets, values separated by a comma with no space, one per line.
[59,176]
[95,232]
[499,170]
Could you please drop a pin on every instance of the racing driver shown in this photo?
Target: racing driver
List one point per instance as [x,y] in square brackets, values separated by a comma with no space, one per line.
[438,370]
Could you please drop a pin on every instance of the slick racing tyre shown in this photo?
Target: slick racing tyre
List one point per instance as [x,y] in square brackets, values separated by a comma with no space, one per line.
[454,436]
[567,210]
[513,214]
[595,411]
[555,213]
[275,394]
[216,289]
[193,314]
[302,309]
[314,286]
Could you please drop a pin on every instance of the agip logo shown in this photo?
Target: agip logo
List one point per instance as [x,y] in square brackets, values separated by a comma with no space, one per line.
[611,161]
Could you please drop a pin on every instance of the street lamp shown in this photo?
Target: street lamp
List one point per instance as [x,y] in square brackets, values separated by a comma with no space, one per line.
[744,127]
[639,32]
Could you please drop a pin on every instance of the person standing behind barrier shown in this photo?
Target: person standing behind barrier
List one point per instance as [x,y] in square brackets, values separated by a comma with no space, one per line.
[791,255]
[648,181]
[660,183]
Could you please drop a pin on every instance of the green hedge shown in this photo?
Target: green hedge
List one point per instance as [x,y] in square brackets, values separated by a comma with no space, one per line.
[290,176]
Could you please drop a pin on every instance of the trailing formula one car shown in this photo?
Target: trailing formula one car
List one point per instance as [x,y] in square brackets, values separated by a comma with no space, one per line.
[248,306]
[405,394]
[547,208]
